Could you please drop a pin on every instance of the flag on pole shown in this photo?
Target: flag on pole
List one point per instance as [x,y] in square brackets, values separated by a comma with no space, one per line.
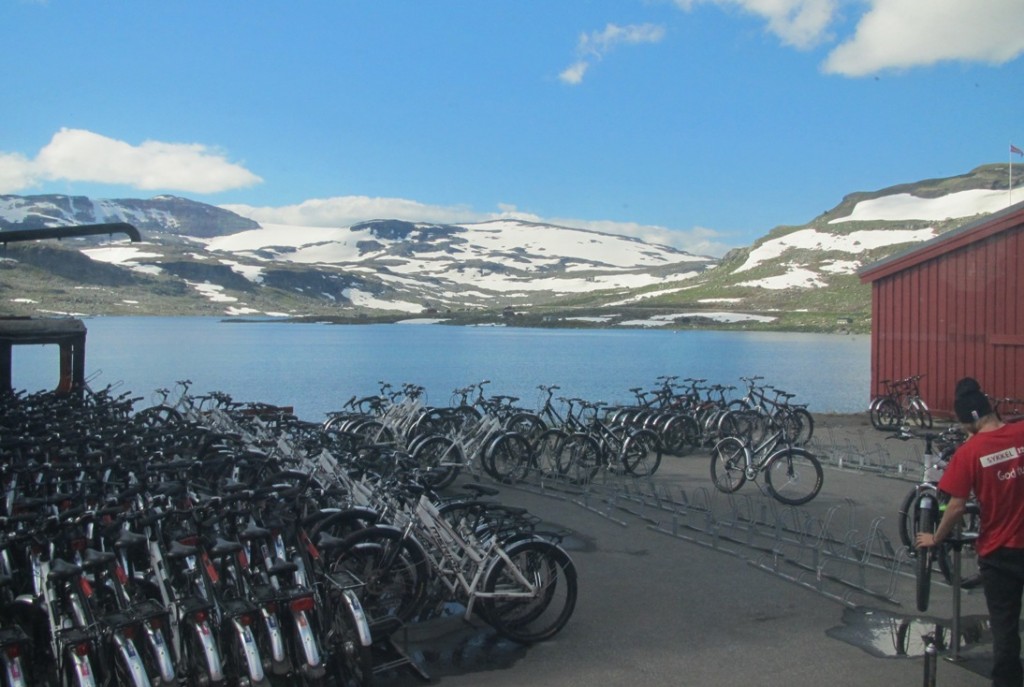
[1015,149]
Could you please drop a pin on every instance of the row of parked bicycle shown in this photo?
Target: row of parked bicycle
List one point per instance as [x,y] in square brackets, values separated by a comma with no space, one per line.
[205,542]
[574,439]
[899,404]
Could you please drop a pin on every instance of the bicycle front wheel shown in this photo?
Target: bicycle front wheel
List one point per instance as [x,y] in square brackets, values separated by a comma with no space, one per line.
[508,458]
[393,571]
[917,410]
[728,464]
[580,458]
[793,476]
[530,596]
[923,564]
[885,413]
[641,453]
[546,451]
[441,459]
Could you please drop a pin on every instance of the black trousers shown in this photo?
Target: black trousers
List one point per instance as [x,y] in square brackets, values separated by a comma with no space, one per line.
[1002,574]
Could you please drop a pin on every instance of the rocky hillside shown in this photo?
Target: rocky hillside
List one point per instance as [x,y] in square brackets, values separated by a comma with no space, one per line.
[199,259]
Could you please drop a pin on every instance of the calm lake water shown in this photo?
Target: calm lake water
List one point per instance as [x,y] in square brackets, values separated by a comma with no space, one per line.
[317,367]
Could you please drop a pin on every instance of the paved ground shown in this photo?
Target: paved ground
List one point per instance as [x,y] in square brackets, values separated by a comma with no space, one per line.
[696,609]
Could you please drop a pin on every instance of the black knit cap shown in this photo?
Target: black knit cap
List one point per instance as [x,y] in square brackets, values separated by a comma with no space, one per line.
[970,402]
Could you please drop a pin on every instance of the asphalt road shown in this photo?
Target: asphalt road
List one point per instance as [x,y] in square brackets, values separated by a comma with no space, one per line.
[696,609]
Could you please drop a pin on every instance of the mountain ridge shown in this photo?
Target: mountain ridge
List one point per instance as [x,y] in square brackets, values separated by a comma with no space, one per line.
[200,259]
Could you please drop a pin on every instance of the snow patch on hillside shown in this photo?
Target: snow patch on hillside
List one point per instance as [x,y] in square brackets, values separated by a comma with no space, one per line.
[854,242]
[796,277]
[903,206]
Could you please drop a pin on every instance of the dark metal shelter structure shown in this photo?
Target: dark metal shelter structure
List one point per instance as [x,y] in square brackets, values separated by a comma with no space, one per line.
[953,307]
[67,333]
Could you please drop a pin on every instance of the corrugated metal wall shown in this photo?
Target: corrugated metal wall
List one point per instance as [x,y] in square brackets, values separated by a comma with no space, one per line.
[959,314]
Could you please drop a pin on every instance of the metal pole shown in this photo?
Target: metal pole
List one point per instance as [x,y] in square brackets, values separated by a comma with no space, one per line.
[957,560]
[931,662]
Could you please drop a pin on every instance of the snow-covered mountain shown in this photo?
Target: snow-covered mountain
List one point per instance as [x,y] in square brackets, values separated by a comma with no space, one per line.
[196,258]
[804,277]
[375,267]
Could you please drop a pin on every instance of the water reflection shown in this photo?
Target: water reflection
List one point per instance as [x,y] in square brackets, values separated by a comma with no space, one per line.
[888,636]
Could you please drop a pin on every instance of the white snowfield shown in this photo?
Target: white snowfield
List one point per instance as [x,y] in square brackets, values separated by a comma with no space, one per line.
[903,206]
[457,256]
[898,207]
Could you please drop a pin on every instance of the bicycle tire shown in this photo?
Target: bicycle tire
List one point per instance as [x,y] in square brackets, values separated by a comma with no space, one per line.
[440,458]
[392,568]
[885,413]
[641,453]
[530,425]
[806,420]
[374,432]
[508,457]
[524,616]
[728,464]
[906,522]
[923,564]
[546,450]
[917,410]
[680,435]
[351,653]
[786,476]
[580,458]
[158,416]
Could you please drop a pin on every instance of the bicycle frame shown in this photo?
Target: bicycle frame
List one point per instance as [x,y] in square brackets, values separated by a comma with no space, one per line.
[463,565]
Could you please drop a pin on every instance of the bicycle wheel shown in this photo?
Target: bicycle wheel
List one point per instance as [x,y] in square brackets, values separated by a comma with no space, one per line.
[918,411]
[157,416]
[527,424]
[530,596]
[680,435]
[441,460]
[641,453]
[907,520]
[746,425]
[392,569]
[806,421]
[546,451]
[348,636]
[374,432]
[793,476]
[885,413]
[923,564]
[728,464]
[508,458]
[580,458]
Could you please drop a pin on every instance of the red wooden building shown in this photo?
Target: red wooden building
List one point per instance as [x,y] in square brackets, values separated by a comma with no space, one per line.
[953,307]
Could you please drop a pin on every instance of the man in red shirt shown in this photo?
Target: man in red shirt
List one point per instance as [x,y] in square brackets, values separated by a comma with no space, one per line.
[990,464]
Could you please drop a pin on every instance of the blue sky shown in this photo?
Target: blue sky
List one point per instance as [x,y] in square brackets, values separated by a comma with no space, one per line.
[700,124]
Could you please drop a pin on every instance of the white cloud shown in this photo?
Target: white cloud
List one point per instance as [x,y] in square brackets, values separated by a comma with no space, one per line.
[596,44]
[80,155]
[900,34]
[893,34]
[573,74]
[344,211]
[800,23]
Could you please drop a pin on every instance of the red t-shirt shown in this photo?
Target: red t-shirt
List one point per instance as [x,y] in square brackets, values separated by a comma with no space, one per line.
[991,465]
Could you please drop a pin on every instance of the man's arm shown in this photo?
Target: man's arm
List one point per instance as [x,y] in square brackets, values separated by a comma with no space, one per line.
[955,510]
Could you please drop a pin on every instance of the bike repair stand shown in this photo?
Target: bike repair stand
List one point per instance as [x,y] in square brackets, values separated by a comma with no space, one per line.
[958,540]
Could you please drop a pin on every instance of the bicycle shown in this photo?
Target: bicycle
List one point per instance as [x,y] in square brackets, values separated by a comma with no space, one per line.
[900,401]
[524,587]
[793,475]
[922,508]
